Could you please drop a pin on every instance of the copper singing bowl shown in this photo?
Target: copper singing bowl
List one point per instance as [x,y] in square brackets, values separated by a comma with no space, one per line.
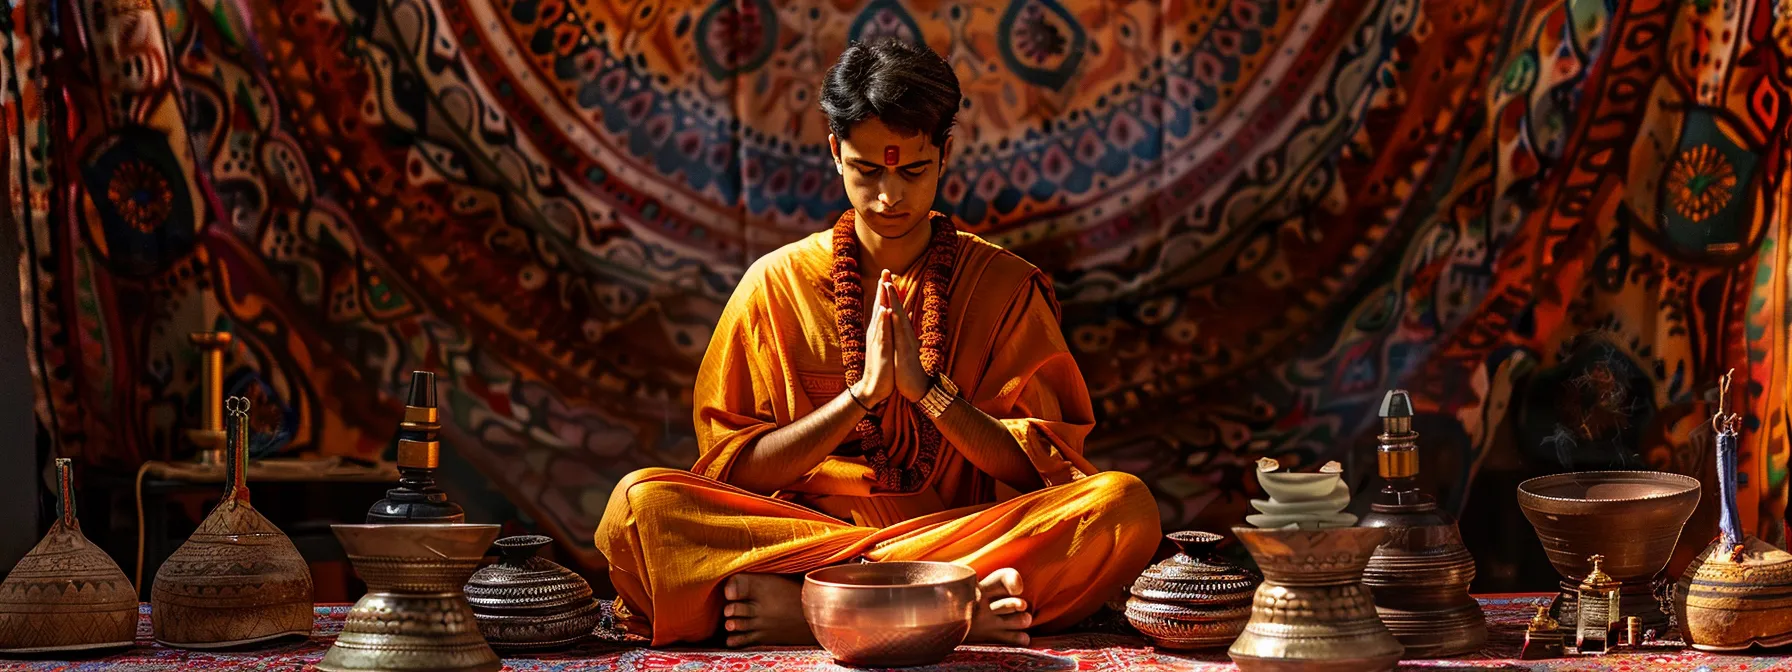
[890,614]
[1633,518]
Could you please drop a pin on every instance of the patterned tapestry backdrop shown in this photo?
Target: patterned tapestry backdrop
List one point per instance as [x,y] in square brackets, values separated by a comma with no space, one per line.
[1556,221]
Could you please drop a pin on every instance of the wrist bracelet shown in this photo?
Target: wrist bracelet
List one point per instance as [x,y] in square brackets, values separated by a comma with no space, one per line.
[939,397]
[855,399]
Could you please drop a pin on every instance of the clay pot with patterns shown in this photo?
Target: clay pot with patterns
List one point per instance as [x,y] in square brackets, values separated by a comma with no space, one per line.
[238,580]
[528,603]
[66,595]
[1192,600]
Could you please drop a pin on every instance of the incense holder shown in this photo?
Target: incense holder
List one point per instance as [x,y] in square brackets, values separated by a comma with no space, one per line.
[238,580]
[66,595]
[1193,600]
[1312,611]
[414,616]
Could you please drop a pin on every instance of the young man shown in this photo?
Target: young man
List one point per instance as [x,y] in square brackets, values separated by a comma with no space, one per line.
[882,391]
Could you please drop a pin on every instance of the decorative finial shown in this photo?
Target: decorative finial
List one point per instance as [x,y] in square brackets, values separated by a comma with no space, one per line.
[1397,404]
[1268,464]
[417,499]
[1720,421]
[1332,467]
[1542,622]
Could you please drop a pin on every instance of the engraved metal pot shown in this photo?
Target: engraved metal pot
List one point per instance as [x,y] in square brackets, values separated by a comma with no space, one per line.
[1312,613]
[66,595]
[414,615]
[526,603]
[1193,600]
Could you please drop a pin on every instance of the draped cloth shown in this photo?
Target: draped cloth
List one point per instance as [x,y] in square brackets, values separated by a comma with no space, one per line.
[672,538]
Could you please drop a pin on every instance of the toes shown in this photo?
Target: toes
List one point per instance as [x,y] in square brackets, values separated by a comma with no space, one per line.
[1008,605]
[739,610]
[1010,638]
[1002,583]
[1020,621]
[737,625]
[733,589]
[739,641]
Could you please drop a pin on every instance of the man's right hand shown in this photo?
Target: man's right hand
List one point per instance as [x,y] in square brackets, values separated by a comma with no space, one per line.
[880,352]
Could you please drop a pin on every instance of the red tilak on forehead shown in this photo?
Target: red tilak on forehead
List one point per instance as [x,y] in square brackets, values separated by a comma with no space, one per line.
[892,155]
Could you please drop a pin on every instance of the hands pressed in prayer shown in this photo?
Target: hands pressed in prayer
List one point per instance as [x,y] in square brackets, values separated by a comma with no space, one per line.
[912,381]
[880,347]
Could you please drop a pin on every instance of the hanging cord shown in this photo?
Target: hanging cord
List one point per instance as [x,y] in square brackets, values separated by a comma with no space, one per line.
[137,582]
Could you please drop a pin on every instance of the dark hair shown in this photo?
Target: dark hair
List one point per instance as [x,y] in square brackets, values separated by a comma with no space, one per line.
[907,86]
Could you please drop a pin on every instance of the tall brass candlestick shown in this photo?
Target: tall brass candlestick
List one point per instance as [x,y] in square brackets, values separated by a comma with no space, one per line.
[208,438]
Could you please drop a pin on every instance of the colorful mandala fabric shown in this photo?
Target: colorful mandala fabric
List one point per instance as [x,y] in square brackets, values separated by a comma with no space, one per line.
[1557,222]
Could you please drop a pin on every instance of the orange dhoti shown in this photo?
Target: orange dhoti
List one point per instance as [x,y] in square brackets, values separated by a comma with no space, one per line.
[673,538]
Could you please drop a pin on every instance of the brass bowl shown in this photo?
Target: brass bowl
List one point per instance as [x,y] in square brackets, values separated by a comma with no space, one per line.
[1633,518]
[890,614]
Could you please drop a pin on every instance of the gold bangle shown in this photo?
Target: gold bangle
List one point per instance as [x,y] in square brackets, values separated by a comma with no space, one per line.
[939,398]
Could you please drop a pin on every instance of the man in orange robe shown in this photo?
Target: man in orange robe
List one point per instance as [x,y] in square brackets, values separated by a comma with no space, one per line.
[945,422]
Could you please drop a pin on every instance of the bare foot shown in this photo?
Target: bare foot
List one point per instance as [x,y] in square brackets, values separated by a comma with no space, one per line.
[764,610]
[1002,616]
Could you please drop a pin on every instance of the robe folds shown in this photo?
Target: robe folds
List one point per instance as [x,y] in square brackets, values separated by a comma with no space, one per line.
[673,537]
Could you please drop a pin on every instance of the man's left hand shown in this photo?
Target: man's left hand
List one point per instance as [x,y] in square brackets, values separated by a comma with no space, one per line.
[912,381]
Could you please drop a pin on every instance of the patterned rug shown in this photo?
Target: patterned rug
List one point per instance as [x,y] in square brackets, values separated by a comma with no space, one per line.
[1086,652]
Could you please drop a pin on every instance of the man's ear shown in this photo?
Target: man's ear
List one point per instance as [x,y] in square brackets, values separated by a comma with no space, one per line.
[945,152]
[834,147]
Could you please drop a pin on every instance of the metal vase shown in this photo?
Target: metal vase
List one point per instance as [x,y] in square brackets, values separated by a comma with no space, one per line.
[1420,579]
[1312,613]
[414,615]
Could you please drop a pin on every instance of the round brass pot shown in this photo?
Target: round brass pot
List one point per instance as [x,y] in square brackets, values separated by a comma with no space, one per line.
[890,614]
[1312,613]
[1633,518]
[414,615]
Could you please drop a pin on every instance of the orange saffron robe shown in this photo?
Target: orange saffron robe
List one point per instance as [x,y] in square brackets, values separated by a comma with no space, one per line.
[672,537]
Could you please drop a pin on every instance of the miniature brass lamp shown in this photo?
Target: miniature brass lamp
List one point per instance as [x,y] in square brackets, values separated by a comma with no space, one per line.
[1599,610]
